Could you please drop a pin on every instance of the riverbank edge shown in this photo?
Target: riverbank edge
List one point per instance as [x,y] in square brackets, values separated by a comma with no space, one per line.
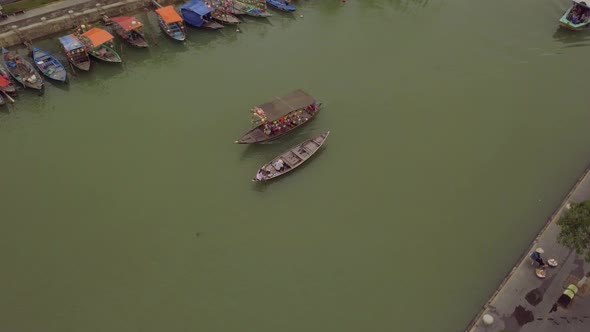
[554,217]
[49,21]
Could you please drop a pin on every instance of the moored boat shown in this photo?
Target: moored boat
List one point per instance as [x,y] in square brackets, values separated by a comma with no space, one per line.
[222,16]
[129,28]
[197,13]
[280,116]
[49,65]
[6,84]
[256,8]
[21,70]
[99,45]
[282,5]
[577,17]
[171,23]
[290,159]
[75,52]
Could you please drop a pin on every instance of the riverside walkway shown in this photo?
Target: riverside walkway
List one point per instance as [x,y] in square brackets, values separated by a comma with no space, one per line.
[525,303]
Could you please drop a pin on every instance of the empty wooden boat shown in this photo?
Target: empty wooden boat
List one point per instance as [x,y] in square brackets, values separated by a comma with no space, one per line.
[49,65]
[290,159]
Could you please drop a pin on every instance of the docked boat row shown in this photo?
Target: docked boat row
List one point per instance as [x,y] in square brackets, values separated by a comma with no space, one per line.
[97,43]
[276,118]
[577,17]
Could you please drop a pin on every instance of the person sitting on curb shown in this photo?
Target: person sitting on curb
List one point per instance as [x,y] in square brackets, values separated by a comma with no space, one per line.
[536,256]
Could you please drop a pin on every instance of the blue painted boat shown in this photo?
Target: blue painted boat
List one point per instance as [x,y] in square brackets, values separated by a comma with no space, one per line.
[198,14]
[577,17]
[49,65]
[283,5]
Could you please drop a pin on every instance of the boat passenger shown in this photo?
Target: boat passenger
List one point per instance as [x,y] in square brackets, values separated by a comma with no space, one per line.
[260,175]
[279,165]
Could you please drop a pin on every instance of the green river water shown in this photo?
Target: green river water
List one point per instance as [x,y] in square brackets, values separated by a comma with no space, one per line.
[457,128]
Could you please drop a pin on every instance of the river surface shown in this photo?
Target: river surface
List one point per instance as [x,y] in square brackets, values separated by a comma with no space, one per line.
[457,128]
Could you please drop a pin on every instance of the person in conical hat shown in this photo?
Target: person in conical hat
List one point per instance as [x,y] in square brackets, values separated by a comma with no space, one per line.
[536,256]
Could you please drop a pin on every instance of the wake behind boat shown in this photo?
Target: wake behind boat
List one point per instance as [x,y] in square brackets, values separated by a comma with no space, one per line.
[290,159]
[22,71]
[49,65]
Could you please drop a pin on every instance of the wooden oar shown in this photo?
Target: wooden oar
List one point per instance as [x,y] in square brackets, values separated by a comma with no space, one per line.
[8,96]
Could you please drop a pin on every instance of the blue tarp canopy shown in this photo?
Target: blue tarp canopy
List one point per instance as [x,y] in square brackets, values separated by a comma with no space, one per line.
[193,12]
[197,6]
[70,42]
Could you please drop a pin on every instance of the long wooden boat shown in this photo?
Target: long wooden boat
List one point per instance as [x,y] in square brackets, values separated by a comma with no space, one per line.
[129,28]
[577,17]
[290,159]
[282,5]
[21,70]
[197,13]
[99,45]
[6,84]
[49,65]
[256,8]
[280,116]
[171,23]
[224,17]
[75,52]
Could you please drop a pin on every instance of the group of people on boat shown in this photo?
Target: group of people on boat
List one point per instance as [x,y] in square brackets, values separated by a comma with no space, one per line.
[579,13]
[290,120]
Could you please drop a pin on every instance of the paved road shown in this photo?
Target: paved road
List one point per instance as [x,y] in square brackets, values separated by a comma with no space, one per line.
[525,303]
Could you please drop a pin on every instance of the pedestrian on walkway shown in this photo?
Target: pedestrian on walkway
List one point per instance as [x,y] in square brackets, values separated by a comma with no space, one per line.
[536,256]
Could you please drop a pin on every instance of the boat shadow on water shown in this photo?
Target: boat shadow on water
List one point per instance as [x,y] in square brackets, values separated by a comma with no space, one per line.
[572,38]
[262,186]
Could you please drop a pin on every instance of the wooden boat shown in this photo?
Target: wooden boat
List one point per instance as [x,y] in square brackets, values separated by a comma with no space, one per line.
[75,52]
[197,13]
[21,70]
[290,159]
[280,116]
[256,8]
[129,28]
[222,16]
[6,84]
[99,45]
[282,5]
[577,17]
[49,65]
[171,23]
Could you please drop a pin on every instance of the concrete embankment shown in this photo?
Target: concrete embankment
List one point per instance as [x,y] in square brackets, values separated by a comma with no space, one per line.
[63,16]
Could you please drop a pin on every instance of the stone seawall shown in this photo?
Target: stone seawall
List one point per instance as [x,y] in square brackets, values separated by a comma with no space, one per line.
[67,18]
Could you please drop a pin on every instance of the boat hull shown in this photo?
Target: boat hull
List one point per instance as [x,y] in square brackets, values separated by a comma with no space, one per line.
[49,66]
[281,5]
[30,79]
[112,57]
[564,22]
[257,135]
[291,159]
